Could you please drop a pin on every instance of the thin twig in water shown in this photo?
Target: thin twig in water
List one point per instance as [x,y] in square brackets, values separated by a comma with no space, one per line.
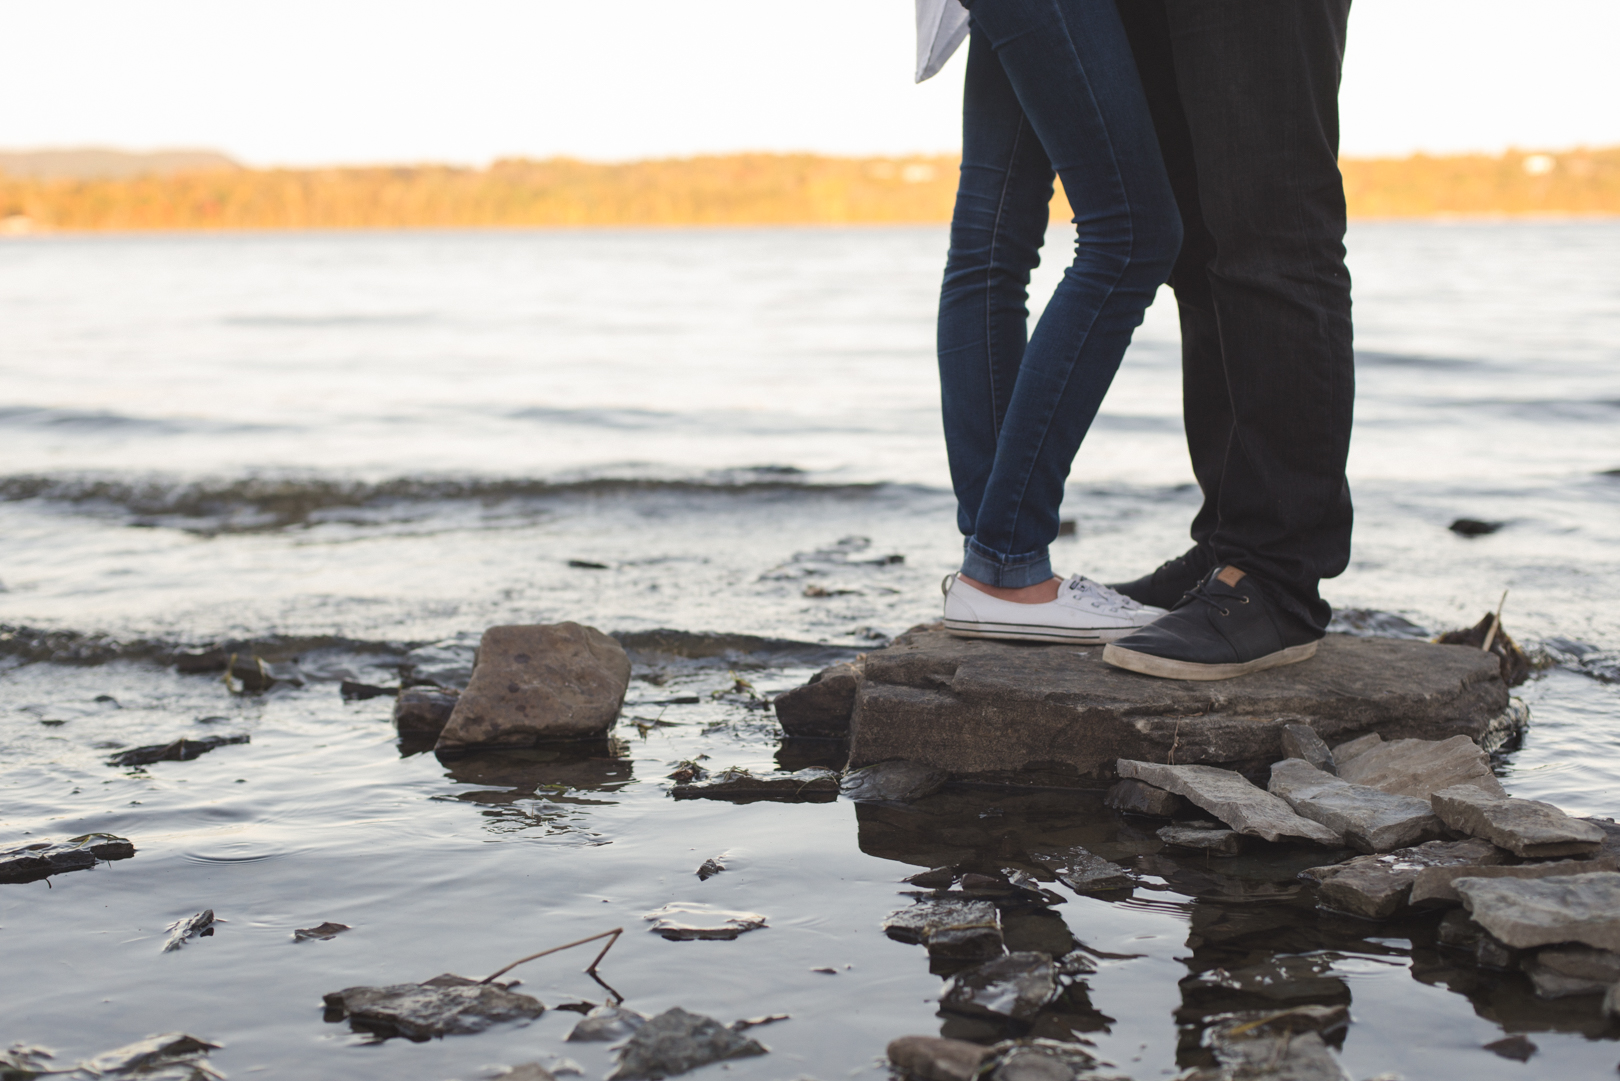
[612,937]
[1496,624]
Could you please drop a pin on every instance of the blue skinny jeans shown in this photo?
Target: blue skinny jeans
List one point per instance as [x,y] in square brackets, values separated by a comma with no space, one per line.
[1051,89]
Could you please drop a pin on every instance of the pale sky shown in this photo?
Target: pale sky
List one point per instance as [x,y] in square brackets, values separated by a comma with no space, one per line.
[300,82]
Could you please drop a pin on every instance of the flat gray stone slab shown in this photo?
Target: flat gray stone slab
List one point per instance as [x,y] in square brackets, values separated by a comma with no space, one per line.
[1228,796]
[1547,911]
[1525,827]
[1434,884]
[1379,886]
[1370,819]
[1416,767]
[974,706]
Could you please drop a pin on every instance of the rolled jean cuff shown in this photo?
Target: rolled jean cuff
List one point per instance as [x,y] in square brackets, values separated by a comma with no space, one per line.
[1006,571]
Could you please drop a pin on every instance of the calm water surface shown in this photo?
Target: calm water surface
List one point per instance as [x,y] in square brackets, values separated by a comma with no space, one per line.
[388,441]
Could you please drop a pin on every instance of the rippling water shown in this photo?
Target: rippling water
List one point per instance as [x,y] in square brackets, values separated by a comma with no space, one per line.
[353,445]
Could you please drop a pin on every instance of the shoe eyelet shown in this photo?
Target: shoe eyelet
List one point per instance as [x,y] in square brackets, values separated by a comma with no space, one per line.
[1226,611]
[1243,600]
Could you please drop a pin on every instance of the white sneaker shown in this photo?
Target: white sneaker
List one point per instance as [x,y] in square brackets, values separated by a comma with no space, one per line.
[1085,611]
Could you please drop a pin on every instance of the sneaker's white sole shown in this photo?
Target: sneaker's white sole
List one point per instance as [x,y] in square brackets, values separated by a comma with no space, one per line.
[1164,668]
[1025,632]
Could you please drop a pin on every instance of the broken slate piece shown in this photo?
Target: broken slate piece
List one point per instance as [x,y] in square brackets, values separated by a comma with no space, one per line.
[952,929]
[1546,911]
[1083,871]
[1433,884]
[932,1058]
[152,1054]
[1525,827]
[446,1005]
[606,1024]
[681,922]
[31,862]
[1370,819]
[821,708]
[1573,970]
[1232,799]
[1220,842]
[894,781]
[1416,767]
[324,932]
[1301,741]
[422,712]
[1378,886]
[181,750]
[677,1041]
[1141,798]
[812,785]
[1014,986]
[182,931]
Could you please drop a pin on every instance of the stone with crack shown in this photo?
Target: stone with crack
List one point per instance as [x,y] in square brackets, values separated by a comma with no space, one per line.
[1370,819]
[1231,798]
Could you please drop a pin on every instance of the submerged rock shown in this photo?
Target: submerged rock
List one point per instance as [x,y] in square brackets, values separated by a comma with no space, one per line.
[41,859]
[1220,842]
[1378,886]
[1265,1057]
[168,1055]
[1547,911]
[1416,767]
[1458,932]
[1573,970]
[606,1024]
[1014,986]
[1232,799]
[932,1058]
[183,931]
[1368,818]
[180,750]
[422,712]
[1040,1060]
[677,1041]
[682,922]
[1433,885]
[894,781]
[821,708]
[1284,980]
[1301,741]
[1525,827]
[813,785]
[446,1005]
[952,929]
[1083,871]
[1141,798]
[538,684]
[322,932]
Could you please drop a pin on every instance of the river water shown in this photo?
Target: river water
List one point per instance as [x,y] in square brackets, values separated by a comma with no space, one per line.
[350,447]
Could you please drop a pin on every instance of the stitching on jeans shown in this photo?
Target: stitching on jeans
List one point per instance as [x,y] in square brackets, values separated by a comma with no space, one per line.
[989,275]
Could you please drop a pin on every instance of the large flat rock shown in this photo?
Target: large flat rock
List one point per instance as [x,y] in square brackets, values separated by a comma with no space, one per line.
[1057,712]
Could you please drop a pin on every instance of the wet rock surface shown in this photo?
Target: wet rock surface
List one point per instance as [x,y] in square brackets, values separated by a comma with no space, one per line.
[183,931]
[180,750]
[446,1005]
[324,932]
[896,781]
[1378,886]
[538,684]
[953,929]
[169,1056]
[822,707]
[1547,911]
[683,922]
[1038,1059]
[1015,986]
[41,859]
[677,1041]
[1416,767]
[1527,828]
[1083,871]
[1433,885]
[1368,818]
[970,706]
[1139,797]
[1231,798]
[422,712]
[933,1058]
[1218,841]
[1560,972]
[1301,741]
[607,1023]
[812,785]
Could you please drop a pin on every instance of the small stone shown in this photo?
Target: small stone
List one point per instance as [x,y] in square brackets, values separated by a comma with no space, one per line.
[821,708]
[1231,798]
[606,1024]
[709,868]
[322,932]
[1301,741]
[1434,884]
[181,750]
[41,859]
[1220,842]
[1378,886]
[1545,911]
[1562,971]
[183,931]
[1517,1048]
[931,1058]
[538,684]
[677,1041]
[1368,818]
[1141,798]
[526,1071]
[682,922]
[1041,1060]
[1014,986]
[940,878]
[952,929]
[813,785]
[446,1005]
[1419,767]
[1525,827]
[422,712]
[1083,871]
[895,781]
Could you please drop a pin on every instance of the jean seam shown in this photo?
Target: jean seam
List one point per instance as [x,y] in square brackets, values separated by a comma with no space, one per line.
[989,277]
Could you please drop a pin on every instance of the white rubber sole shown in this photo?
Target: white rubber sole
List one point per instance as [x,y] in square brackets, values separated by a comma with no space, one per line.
[1025,632]
[1149,665]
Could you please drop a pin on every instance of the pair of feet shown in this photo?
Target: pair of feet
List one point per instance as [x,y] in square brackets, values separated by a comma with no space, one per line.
[1183,621]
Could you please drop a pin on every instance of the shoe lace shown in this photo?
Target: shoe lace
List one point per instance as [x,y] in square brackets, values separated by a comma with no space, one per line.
[1200,593]
[1111,599]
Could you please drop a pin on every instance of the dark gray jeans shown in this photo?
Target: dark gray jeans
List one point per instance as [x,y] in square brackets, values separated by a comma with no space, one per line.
[1244,95]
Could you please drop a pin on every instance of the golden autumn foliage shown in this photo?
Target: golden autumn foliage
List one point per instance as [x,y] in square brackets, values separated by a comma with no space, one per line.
[740,189]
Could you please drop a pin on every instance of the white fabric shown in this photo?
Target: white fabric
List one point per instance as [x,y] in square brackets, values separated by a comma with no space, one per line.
[941,27]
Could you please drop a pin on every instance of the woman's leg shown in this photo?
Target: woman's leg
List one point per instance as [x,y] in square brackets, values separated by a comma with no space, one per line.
[1069,69]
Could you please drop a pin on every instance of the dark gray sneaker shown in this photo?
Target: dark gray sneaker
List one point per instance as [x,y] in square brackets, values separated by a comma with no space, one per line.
[1165,587]
[1225,626]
